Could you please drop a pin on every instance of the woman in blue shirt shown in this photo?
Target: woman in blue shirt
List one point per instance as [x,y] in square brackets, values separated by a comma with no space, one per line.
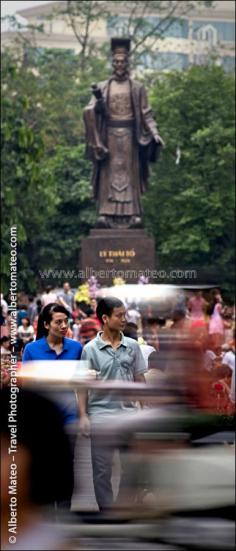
[51,344]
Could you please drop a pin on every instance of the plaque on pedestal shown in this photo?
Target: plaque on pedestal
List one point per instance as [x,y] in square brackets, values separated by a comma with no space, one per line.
[111,253]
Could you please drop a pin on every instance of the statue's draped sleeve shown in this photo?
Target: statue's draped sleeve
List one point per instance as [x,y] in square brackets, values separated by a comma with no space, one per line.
[95,129]
[146,132]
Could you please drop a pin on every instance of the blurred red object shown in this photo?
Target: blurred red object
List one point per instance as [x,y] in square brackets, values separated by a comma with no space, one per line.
[218,386]
[198,323]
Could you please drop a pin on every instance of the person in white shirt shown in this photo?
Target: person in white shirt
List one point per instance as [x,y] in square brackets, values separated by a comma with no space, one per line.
[131,331]
[229,360]
[25,331]
[75,328]
[4,306]
[133,315]
[213,358]
[48,297]
[66,298]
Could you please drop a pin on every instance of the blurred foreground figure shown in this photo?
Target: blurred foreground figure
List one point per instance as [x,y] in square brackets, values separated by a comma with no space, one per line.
[114,357]
[32,474]
[52,344]
[177,461]
[180,414]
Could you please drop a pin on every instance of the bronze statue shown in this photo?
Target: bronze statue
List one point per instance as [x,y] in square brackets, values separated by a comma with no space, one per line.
[122,138]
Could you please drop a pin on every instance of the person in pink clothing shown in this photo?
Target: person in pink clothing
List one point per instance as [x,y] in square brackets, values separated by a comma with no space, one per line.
[197,306]
[216,324]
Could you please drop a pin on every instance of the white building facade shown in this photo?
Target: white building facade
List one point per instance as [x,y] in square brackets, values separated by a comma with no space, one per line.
[190,39]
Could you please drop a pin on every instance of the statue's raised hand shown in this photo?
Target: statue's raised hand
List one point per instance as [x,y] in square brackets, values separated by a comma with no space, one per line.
[159,140]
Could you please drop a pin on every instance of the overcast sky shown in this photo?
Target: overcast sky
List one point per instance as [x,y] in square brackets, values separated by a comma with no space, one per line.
[10,7]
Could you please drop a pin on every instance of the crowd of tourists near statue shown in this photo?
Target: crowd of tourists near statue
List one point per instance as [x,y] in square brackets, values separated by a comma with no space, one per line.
[204,314]
[186,360]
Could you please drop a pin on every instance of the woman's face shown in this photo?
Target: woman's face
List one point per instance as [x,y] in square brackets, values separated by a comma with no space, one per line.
[57,327]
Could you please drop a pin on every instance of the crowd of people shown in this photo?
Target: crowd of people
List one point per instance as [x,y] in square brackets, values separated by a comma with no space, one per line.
[205,316]
[186,359]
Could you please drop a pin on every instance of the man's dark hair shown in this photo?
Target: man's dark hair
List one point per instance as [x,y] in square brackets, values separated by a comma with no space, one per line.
[153,361]
[4,339]
[88,311]
[131,330]
[178,313]
[28,320]
[39,305]
[106,306]
[161,322]
[48,289]
[45,316]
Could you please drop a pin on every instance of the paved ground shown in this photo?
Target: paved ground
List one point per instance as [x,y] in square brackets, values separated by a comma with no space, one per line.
[212,533]
[83,497]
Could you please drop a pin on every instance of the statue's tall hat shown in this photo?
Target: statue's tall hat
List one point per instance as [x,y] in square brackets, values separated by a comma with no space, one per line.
[120,45]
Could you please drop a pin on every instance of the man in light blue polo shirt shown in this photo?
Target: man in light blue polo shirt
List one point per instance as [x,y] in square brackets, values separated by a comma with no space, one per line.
[114,357]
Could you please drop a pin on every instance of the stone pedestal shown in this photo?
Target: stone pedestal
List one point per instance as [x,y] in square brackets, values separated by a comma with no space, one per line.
[110,253]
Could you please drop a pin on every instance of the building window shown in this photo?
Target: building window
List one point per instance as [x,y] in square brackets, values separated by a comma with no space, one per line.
[170,29]
[117,24]
[175,29]
[223,30]
[163,61]
[208,33]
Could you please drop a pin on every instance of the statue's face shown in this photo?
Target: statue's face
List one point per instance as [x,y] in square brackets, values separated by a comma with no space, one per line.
[120,65]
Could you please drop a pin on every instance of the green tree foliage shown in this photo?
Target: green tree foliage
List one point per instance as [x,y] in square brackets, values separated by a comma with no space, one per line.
[44,172]
[46,177]
[190,205]
[75,213]
[82,17]
[26,200]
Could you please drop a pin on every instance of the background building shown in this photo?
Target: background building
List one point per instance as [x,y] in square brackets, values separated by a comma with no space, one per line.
[191,39]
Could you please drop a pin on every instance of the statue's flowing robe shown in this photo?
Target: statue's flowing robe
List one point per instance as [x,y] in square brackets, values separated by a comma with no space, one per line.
[120,151]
